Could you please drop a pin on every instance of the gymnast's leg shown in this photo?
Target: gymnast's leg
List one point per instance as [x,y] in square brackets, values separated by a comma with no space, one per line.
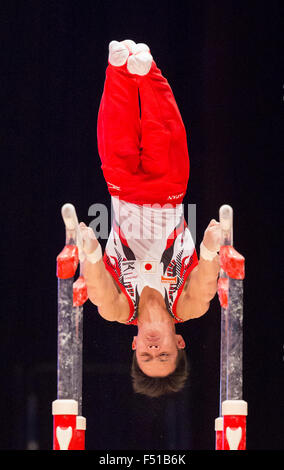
[164,153]
[118,129]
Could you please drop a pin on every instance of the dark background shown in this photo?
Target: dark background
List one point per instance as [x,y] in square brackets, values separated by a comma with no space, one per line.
[223,61]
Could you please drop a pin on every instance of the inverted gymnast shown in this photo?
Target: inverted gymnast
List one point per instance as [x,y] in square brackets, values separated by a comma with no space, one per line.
[149,275]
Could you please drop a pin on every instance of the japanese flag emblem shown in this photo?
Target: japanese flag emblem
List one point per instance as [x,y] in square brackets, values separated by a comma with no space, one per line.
[148,267]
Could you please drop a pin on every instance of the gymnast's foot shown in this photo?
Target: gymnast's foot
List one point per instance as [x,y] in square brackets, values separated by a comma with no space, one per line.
[137,56]
[119,52]
[140,61]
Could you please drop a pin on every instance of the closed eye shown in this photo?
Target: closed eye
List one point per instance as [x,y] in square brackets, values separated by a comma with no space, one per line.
[146,357]
[164,357]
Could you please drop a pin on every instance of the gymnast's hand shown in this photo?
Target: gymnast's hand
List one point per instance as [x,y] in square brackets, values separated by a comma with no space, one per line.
[212,236]
[90,243]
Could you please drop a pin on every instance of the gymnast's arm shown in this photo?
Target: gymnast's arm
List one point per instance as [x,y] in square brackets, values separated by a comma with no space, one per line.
[201,286]
[103,292]
[101,287]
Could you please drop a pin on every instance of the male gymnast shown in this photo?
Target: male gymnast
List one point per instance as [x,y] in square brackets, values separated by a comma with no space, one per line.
[149,275]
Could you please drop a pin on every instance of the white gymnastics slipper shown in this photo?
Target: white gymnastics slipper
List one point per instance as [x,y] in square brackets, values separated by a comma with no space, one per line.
[140,61]
[118,53]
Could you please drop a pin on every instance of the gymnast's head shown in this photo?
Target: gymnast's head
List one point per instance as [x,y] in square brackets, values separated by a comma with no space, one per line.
[159,364]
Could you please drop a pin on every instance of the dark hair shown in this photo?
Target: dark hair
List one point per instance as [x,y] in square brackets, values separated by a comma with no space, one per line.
[157,386]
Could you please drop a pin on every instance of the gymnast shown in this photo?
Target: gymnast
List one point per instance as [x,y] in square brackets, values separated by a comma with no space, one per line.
[149,275]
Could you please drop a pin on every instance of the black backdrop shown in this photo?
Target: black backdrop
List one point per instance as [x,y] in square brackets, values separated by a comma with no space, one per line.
[223,61]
